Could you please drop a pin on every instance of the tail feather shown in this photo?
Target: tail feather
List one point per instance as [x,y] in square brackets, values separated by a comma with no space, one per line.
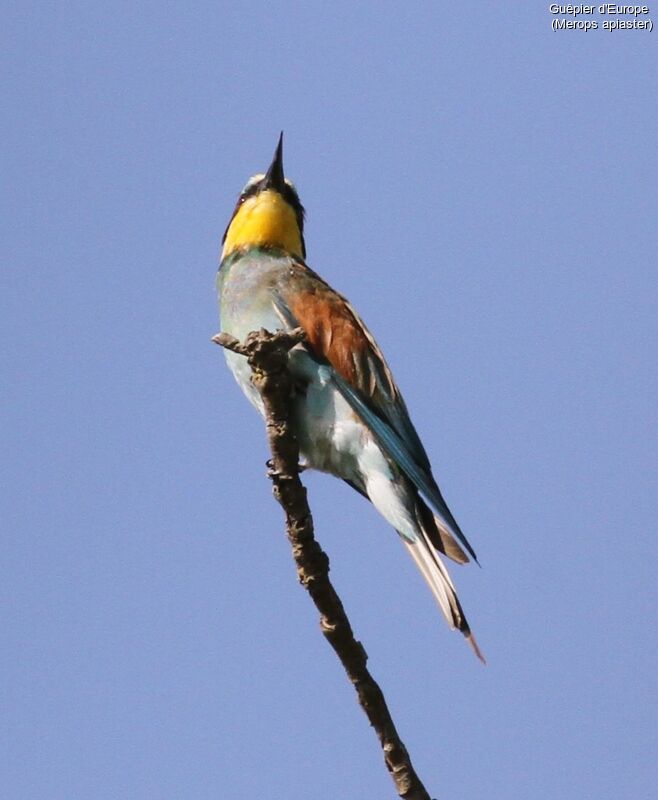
[438,533]
[442,587]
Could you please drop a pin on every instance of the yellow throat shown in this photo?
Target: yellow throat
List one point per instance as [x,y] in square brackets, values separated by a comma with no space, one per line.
[261,220]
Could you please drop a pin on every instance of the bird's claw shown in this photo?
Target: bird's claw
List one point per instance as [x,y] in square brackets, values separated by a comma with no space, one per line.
[272,471]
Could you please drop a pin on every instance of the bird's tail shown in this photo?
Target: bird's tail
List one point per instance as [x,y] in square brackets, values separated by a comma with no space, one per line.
[430,565]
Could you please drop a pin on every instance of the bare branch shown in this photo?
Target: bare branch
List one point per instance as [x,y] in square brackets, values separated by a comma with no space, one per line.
[267,354]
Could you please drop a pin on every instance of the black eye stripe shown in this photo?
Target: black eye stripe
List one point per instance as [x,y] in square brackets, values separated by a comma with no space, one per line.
[250,191]
[292,198]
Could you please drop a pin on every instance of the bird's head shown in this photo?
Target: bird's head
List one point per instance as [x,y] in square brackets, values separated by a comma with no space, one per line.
[268,213]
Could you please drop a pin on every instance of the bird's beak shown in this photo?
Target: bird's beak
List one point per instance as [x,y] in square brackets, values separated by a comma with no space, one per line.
[274,178]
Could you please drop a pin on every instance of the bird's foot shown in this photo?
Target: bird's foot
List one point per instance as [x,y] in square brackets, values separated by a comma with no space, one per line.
[272,472]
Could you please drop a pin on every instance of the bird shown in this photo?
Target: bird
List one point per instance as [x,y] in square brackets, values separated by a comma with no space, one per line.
[348,414]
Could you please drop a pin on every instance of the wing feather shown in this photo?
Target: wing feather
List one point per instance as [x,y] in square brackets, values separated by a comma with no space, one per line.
[337,336]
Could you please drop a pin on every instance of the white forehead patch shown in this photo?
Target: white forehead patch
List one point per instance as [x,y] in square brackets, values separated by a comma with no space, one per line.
[253,181]
[259,177]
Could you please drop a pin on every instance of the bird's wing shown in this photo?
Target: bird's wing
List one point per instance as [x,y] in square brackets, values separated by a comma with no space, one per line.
[337,336]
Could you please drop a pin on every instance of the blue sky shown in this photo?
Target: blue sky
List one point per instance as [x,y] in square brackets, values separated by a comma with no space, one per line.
[484,190]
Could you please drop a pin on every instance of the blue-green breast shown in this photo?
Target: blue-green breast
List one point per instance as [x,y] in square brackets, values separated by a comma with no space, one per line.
[244,284]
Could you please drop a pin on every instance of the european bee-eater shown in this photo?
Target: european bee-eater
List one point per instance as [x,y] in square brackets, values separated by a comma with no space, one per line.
[348,414]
